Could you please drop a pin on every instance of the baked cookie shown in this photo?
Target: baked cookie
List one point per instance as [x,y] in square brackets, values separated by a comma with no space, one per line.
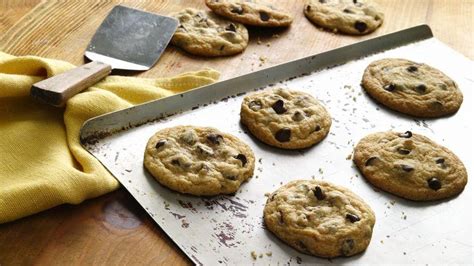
[204,33]
[412,88]
[285,118]
[410,166]
[348,16]
[319,218]
[198,160]
[250,12]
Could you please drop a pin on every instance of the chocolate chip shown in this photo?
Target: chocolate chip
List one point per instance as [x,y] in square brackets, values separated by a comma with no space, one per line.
[175,162]
[160,143]
[204,167]
[283,135]
[354,1]
[302,246]
[407,135]
[264,16]
[437,104]
[297,116]
[231,177]
[407,168]
[279,107]
[272,198]
[352,217]
[389,87]
[347,247]
[242,158]
[440,162]
[308,8]
[348,11]
[370,161]
[255,105]
[412,69]
[231,27]
[281,218]
[318,128]
[360,26]
[322,1]
[215,138]
[421,88]
[403,151]
[237,10]
[434,183]
[318,193]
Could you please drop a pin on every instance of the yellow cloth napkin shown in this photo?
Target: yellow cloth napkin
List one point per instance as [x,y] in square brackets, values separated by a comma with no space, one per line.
[42,164]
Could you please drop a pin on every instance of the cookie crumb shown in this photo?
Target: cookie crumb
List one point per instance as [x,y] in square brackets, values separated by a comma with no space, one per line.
[349,156]
[269,254]
[254,255]
[263,60]
[299,260]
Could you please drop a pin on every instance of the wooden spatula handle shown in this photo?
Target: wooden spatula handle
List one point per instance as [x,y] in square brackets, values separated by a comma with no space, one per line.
[58,89]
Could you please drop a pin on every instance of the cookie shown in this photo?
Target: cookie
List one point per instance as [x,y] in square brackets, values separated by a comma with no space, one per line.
[285,118]
[410,166]
[412,88]
[251,12]
[319,218]
[200,161]
[348,16]
[204,33]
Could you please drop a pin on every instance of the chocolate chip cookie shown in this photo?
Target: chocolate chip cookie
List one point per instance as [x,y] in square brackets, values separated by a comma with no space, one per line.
[285,118]
[319,218]
[348,16]
[251,12]
[412,88]
[204,33]
[198,160]
[410,166]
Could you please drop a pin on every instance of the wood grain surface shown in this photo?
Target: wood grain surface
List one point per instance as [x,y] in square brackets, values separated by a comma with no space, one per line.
[113,229]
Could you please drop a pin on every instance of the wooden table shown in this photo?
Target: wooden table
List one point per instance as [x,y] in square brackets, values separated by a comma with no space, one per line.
[113,229]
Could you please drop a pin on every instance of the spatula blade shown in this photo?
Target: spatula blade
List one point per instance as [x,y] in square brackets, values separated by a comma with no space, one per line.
[131,39]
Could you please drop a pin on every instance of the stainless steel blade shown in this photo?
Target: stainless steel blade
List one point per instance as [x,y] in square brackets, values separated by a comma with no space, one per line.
[227,229]
[131,39]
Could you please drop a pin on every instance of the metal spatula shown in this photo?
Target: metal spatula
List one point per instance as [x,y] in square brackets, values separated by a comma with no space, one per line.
[127,39]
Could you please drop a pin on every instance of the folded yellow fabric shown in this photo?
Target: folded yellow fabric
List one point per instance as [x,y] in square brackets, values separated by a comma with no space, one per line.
[42,164]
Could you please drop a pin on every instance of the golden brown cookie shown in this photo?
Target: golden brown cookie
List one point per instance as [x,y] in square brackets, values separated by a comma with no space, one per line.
[319,218]
[348,16]
[285,118]
[412,88]
[198,160]
[204,33]
[410,166]
[251,12]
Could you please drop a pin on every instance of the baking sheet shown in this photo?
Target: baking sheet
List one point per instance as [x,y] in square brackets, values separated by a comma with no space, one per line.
[228,229]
